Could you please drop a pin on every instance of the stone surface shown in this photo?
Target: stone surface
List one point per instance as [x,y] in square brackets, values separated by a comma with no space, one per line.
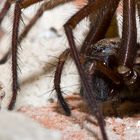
[17,126]
[81,125]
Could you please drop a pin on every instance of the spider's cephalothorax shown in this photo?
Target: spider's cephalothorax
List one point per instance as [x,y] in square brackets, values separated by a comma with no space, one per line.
[103,53]
[111,66]
[102,66]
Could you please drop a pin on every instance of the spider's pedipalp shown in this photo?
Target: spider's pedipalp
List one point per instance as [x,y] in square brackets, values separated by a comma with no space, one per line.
[57,81]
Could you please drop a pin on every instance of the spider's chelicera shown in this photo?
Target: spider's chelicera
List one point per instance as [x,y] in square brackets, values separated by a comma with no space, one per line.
[108,68]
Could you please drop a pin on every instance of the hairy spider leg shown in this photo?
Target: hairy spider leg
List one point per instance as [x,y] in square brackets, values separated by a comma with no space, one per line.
[4,10]
[8,3]
[17,39]
[15,85]
[44,7]
[94,66]
[102,19]
[102,68]
[128,49]
[57,80]
[27,3]
[69,26]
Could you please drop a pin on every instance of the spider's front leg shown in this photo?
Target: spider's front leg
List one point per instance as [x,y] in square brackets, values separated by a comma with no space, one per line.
[15,85]
[4,10]
[128,49]
[57,80]
[101,7]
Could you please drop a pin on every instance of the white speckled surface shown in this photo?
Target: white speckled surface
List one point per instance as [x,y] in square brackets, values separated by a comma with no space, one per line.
[22,127]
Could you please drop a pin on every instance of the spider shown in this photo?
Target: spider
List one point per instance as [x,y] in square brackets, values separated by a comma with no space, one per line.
[112,64]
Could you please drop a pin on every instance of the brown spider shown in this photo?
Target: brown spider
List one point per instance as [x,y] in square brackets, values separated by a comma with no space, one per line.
[112,64]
